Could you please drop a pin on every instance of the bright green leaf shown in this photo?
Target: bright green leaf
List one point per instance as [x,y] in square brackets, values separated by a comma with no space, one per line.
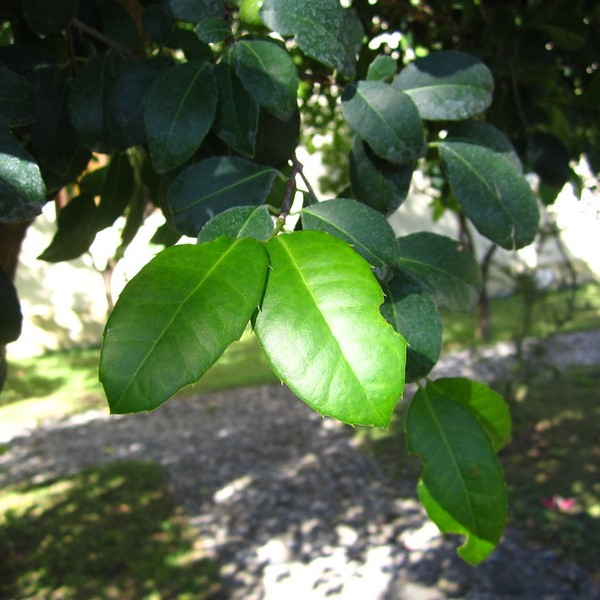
[323,30]
[241,221]
[486,405]
[179,110]
[213,185]
[386,119]
[268,74]
[462,485]
[383,68]
[213,30]
[445,270]
[447,85]
[17,99]
[236,121]
[376,182]
[176,317]
[22,189]
[493,193]
[366,230]
[412,313]
[320,327]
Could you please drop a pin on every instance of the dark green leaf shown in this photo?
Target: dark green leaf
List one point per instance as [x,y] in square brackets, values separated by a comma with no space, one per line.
[320,327]
[447,85]
[125,117]
[412,313]
[157,23]
[276,140]
[17,99]
[75,230]
[386,119]
[445,270]
[238,222]
[323,30]
[383,68]
[366,230]
[165,235]
[462,485]
[236,120]
[116,193]
[268,74]
[549,158]
[92,182]
[493,193]
[118,25]
[11,318]
[194,11]
[47,17]
[90,93]
[213,30]
[133,222]
[375,182]
[213,185]
[176,317]
[22,189]
[486,405]
[190,44]
[179,110]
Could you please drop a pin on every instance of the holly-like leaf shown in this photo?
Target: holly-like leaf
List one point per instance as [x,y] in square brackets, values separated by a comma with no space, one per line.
[236,120]
[412,313]
[176,317]
[366,230]
[194,11]
[492,191]
[323,30]
[17,99]
[125,104]
[386,119]
[486,405]
[241,221]
[47,17]
[268,74]
[447,85]
[88,104]
[321,330]
[448,272]
[376,182]
[22,189]
[179,110]
[213,185]
[462,485]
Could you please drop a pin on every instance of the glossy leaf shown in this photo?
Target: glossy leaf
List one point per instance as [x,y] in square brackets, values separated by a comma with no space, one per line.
[176,317]
[378,183]
[117,191]
[268,74]
[125,104]
[238,222]
[47,17]
[462,486]
[493,193]
[386,119]
[236,120]
[412,313]
[383,68]
[321,330]
[179,110]
[194,11]
[22,189]
[486,405]
[447,85]
[11,318]
[213,185]
[448,272]
[17,99]
[76,230]
[213,30]
[366,230]
[90,93]
[323,30]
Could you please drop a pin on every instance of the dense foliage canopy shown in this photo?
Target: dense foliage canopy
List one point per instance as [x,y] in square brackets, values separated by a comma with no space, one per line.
[196,107]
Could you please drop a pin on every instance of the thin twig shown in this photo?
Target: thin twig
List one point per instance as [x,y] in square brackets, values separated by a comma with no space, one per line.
[126,52]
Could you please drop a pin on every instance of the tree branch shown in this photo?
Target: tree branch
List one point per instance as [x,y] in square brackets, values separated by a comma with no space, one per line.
[123,50]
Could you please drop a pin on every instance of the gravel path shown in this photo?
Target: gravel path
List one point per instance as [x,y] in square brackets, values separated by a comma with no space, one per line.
[291,508]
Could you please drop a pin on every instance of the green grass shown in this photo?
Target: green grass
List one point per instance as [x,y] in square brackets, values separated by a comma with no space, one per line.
[109,532]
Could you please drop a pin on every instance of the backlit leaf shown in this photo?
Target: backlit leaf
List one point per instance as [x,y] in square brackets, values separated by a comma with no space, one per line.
[321,330]
[241,221]
[176,317]
[386,119]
